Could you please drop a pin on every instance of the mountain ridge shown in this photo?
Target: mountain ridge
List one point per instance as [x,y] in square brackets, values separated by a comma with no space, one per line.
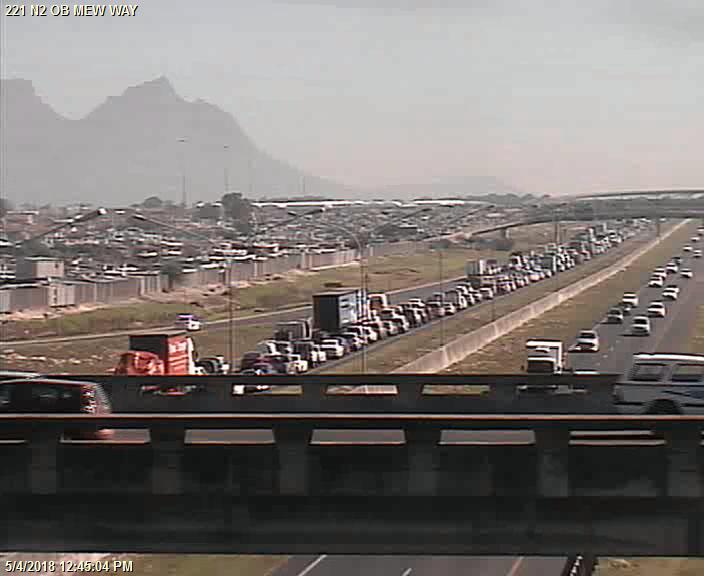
[128,148]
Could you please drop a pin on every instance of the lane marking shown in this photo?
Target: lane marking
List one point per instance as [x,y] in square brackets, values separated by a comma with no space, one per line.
[407,571]
[516,565]
[312,565]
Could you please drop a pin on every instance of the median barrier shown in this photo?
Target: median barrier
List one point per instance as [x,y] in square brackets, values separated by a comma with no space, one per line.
[467,344]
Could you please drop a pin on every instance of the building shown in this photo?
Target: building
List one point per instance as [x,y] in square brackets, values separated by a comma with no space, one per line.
[39,267]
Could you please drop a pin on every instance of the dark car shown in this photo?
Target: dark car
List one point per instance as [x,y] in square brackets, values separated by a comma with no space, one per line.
[249,359]
[51,396]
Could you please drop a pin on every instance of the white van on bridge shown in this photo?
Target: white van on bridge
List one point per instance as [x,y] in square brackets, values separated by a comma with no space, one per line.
[662,383]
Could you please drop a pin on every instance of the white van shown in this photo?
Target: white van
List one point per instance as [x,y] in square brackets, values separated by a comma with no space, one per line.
[662,384]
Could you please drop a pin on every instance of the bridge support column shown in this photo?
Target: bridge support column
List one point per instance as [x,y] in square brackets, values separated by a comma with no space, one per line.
[167,464]
[683,467]
[44,446]
[422,447]
[504,233]
[552,469]
[292,444]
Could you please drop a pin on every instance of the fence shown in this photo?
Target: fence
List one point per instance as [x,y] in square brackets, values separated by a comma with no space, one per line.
[63,293]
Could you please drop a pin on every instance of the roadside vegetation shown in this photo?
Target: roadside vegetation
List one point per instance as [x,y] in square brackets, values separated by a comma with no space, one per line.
[696,343]
[650,567]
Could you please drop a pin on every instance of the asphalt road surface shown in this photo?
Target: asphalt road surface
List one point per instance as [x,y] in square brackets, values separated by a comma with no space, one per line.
[294,313]
[669,334]
[420,566]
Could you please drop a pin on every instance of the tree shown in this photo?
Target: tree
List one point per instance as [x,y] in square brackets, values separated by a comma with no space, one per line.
[238,210]
[152,203]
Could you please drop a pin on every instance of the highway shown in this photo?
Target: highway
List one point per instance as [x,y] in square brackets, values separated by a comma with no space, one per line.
[293,313]
[669,334]
[617,347]
[420,566]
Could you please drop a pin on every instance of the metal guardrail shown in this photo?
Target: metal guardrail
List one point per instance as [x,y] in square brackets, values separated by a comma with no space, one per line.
[354,393]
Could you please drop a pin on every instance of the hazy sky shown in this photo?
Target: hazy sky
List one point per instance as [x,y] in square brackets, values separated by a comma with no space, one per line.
[558,96]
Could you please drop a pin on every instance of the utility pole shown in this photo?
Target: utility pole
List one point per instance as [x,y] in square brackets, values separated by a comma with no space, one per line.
[227,183]
[184,197]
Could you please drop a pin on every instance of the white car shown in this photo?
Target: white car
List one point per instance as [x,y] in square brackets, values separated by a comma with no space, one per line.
[299,364]
[687,249]
[587,341]
[656,282]
[672,268]
[670,293]
[686,273]
[188,322]
[450,308]
[630,298]
[657,309]
[697,253]
[640,326]
[332,348]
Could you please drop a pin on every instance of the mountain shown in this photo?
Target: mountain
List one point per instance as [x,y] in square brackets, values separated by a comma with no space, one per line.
[128,149]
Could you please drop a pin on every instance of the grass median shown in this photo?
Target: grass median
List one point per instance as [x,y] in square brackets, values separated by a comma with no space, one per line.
[409,348]
[650,567]
[507,354]
[696,344]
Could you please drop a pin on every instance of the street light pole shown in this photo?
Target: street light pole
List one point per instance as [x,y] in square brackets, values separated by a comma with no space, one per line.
[227,280]
[226,147]
[184,199]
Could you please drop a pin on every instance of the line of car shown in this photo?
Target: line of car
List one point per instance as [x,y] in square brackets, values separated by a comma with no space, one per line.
[588,340]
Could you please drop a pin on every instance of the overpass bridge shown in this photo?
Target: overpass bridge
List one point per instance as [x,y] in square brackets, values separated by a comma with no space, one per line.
[588,214]
[630,193]
[404,473]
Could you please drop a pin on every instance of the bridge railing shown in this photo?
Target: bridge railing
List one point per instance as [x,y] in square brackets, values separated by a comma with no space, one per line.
[380,454]
[374,393]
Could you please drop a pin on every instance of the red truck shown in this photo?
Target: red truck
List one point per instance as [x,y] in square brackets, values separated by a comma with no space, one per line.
[164,353]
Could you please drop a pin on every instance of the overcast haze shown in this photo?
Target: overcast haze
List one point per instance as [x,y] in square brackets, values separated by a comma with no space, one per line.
[550,97]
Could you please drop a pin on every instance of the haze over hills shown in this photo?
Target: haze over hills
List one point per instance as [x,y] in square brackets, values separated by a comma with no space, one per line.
[128,149]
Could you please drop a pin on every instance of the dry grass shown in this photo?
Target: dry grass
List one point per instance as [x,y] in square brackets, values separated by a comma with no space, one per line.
[408,349]
[99,356]
[507,354]
[650,567]
[696,344]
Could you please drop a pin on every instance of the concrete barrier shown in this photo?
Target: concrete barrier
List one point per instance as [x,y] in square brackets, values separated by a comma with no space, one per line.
[467,344]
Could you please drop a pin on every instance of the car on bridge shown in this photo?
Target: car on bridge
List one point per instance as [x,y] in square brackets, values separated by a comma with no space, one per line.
[53,396]
[662,384]
[686,273]
[640,326]
[657,309]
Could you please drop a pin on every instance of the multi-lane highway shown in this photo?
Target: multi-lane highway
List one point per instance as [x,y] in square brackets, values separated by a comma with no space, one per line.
[669,334]
[617,348]
[420,566]
[293,313]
